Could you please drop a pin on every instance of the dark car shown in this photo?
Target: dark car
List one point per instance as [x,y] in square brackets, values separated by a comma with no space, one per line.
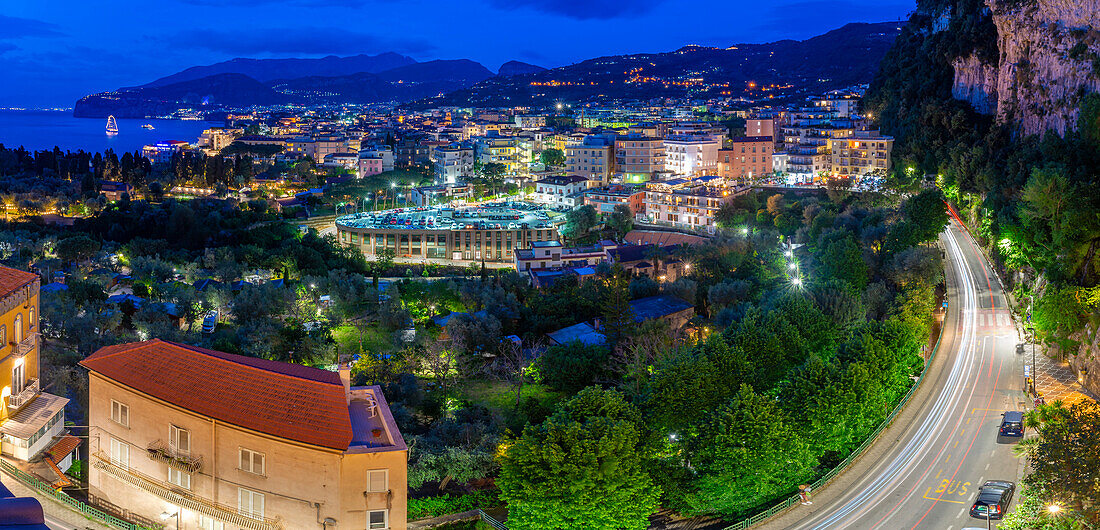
[993,499]
[1012,423]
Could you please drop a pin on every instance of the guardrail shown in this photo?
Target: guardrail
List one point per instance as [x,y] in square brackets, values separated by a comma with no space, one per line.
[488,519]
[821,482]
[48,490]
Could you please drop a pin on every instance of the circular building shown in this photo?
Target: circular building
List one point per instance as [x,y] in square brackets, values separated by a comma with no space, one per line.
[488,232]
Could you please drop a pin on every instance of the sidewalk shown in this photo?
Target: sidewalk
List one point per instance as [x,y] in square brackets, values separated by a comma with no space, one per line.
[58,515]
[1055,380]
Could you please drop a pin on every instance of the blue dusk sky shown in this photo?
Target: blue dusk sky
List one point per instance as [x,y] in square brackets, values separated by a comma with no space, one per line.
[51,53]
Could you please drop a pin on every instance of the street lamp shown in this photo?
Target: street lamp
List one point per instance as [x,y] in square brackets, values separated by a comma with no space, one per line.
[1054,509]
[165,516]
[797,282]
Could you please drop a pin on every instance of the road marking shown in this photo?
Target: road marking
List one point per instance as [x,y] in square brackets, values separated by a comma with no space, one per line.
[968,421]
[981,479]
[993,453]
[962,511]
[956,443]
[976,409]
[987,467]
[946,460]
[937,475]
[939,500]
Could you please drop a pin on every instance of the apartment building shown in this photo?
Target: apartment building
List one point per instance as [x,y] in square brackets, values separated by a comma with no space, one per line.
[593,158]
[552,255]
[162,152]
[384,152]
[606,198]
[638,156]
[530,121]
[863,153]
[760,127]
[498,149]
[222,441]
[31,421]
[214,139]
[560,190]
[692,155]
[746,158]
[452,163]
[686,204]
[317,147]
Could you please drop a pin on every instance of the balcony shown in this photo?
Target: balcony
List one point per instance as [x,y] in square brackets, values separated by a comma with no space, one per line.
[162,452]
[29,392]
[181,497]
[27,345]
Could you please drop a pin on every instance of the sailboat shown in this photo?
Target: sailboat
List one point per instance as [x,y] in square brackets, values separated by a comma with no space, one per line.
[112,126]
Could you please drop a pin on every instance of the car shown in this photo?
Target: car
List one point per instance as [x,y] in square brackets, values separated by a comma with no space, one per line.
[993,499]
[1012,423]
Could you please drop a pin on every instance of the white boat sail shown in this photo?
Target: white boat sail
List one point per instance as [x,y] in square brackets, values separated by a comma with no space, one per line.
[112,126]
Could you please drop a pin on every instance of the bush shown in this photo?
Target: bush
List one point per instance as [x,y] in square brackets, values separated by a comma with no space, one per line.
[447,504]
[573,366]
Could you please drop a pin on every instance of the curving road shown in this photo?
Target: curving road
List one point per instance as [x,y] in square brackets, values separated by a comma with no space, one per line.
[925,470]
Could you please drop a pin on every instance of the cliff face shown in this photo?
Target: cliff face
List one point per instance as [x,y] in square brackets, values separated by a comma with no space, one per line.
[1049,56]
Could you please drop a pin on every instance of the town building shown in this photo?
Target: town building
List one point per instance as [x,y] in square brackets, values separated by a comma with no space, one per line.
[214,139]
[638,157]
[317,147]
[746,158]
[592,159]
[369,165]
[692,155]
[760,127]
[226,441]
[442,235]
[674,311]
[863,153]
[31,421]
[606,198]
[687,204]
[498,149]
[348,161]
[162,152]
[561,190]
[552,255]
[452,163]
[384,152]
[530,121]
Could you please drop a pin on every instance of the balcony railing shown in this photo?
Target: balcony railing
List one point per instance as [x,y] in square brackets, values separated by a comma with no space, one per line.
[29,392]
[27,345]
[163,453]
[184,498]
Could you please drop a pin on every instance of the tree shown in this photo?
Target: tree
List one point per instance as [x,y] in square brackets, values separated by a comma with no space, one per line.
[492,174]
[552,157]
[584,467]
[841,259]
[749,432]
[1065,457]
[384,259]
[579,221]
[618,317]
[76,248]
[621,220]
[928,214]
[572,366]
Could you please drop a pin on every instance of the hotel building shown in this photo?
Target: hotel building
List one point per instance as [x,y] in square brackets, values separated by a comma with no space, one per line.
[863,153]
[746,158]
[222,441]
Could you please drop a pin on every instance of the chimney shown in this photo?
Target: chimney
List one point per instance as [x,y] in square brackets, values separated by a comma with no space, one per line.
[345,377]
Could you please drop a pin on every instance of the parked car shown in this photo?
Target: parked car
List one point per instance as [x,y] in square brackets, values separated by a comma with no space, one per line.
[993,499]
[1012,423]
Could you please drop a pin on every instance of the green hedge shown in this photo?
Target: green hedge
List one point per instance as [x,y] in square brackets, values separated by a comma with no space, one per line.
[448,504]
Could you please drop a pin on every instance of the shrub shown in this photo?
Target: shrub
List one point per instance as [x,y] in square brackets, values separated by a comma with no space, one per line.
[447,504]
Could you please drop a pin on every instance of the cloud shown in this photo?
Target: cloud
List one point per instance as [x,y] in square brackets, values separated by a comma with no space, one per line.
[15,27]
[295,41]
[582,9]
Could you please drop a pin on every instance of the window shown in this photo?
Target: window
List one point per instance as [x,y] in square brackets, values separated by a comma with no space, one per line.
[376,519]
[120,413]
[376,481]
[179,440]
[252,462]
[179,478]
[206,523]
[18,379]
[251,503]
[120,453]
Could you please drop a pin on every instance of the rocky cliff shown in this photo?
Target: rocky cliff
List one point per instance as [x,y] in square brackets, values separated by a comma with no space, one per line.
[1049,57]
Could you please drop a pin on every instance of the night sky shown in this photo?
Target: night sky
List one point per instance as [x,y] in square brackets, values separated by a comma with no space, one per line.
[51,53]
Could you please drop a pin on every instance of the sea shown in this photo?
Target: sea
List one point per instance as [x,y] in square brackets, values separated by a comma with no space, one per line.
[37,130]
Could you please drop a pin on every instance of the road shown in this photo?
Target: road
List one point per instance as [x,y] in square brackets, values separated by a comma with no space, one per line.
[948,446]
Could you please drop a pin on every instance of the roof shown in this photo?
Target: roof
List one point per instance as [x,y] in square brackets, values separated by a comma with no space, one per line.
[62,447]
[657,307]
[13,279]
[281,399]
[583,333]
[33,416]
[560,180]
[754,139]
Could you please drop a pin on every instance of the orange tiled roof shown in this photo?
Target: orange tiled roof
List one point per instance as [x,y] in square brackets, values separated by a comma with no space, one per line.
[281,399]
[12,279]
[63,447]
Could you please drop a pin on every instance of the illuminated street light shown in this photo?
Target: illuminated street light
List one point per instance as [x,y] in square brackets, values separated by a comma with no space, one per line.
[1054,509]
[744,231]
[792,266]
[797,282]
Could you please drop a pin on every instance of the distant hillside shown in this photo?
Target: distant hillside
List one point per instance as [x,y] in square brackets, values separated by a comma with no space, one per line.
[842,57]
[265,70]
[226,91]
[512,68]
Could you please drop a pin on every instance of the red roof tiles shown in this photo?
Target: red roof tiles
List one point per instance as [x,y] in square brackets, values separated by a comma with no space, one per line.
[62,447]
[13,279]
[281,399]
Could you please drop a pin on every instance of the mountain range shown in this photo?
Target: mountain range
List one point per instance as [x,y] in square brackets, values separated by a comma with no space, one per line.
[839,58]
